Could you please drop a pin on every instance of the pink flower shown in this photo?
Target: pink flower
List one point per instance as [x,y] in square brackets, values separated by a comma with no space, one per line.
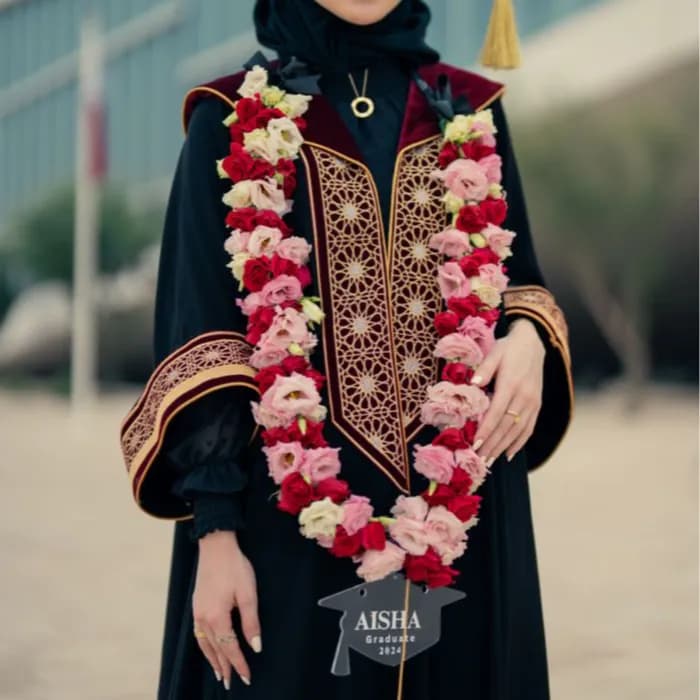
[288,326]
[357,512]
[465,178]
[410,534]
[319,463]
[452,281]
[499,240]
[474,465]
[295,249]
[478,330]
[435,462]
[492,275]
[263,240]
[451,242]
[451,405]
[281,289]
[458,347]
[287,399]
[237,242]
[445,533]
[413,507]
[378,563]
[283,458]
[487,138]
[492,168]
[267,354]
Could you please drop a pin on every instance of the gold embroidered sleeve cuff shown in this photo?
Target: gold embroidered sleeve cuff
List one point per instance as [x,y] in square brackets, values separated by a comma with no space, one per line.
[205,364]
[538,304]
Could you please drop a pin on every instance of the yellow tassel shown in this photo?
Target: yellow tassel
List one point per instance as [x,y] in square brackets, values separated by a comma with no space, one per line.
[501,46]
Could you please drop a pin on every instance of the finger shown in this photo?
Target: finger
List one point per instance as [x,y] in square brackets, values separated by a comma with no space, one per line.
[511,430]
[486,434]
[210,654]
[483,373]
[248,610]
[512,450]
[223,667]
[227,643]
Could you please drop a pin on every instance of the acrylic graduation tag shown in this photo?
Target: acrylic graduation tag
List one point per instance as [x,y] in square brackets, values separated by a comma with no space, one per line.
[387,620]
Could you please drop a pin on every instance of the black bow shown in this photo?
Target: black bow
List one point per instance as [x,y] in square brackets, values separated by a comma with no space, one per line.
[294,75]
[440,98]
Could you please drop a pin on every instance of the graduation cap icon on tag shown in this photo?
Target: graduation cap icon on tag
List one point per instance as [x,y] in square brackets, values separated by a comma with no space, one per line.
[387,620]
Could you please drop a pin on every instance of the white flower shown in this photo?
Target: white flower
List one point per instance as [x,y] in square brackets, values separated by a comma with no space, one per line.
[495,190]
[285,137]
[488,294]
[320,519]
[466,126]
[239,195]
[453,203]
[237,264]
[311,310]
[271,95]
[258,143]
[457,130]
[255,81]
[294,105]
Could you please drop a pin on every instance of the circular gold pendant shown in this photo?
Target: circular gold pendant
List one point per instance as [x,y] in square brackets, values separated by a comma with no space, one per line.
[362,107]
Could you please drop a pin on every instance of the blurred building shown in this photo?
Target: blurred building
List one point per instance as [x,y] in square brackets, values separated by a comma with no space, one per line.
[156,50]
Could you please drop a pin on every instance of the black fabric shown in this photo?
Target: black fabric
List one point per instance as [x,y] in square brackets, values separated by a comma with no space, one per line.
[305,30]
[493,644]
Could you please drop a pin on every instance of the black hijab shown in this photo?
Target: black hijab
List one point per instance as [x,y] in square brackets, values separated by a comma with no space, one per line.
[309,32]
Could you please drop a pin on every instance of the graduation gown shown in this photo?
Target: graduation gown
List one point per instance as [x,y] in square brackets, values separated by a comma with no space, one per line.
[193,451]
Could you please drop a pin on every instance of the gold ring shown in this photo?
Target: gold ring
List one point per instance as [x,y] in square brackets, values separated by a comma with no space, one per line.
[515,414]
[200,635]
[227,638]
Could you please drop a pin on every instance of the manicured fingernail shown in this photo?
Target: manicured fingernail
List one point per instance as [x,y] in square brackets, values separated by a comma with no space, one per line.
[476,379]
[227,684]
[478,444]
[256,643]
[490,461]
[245,680]
[509,457]
[218,676]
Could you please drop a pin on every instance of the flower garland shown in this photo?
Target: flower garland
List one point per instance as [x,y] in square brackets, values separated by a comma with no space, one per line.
[427,532]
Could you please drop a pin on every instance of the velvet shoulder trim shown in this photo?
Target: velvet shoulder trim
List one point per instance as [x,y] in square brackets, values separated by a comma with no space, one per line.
[223,88]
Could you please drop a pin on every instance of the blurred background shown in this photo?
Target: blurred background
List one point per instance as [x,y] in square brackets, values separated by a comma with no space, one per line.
[604,115]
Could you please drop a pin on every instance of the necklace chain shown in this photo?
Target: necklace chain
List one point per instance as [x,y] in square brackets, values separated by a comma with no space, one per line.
[362,106]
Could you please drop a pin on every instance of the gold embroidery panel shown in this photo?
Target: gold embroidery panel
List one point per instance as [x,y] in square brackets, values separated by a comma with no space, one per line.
[418,213]
[206,352]
[360,342]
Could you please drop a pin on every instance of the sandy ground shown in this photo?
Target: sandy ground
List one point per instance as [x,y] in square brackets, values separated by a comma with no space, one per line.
[84,573]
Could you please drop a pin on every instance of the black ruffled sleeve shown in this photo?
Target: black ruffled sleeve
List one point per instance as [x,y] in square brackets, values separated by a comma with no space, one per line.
[528,296]
[185,441]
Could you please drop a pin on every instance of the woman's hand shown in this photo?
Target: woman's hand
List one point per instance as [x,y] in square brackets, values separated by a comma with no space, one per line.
[225,579]
[517,360]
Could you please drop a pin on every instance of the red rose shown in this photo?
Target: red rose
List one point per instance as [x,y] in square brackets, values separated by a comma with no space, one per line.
[464,507]
[295,494]
[465,306]
[471,263]
[373,536]
[247,108]
[490,315]
[257,273]
[460,483]
[282,266]
[266,217]
[258,322]
[452,439]
[287,169]
[446,322]
[335,489]
[295,364]
[476,150]
[469,430]
[429,569]
[265,378]
[442,495]
[345,545]
[240,165]
[303,274]
[243,219]
[448,153]
[471,218]
[494,211]
[456,372]
[313,437]
[300,122]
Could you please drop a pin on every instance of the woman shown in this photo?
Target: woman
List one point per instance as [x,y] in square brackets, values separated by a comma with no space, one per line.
[370,198]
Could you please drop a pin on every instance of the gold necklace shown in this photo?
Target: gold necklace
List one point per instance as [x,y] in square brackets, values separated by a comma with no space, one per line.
[362,106]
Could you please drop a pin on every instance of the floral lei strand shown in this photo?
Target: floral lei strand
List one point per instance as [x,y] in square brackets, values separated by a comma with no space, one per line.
[427,532]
